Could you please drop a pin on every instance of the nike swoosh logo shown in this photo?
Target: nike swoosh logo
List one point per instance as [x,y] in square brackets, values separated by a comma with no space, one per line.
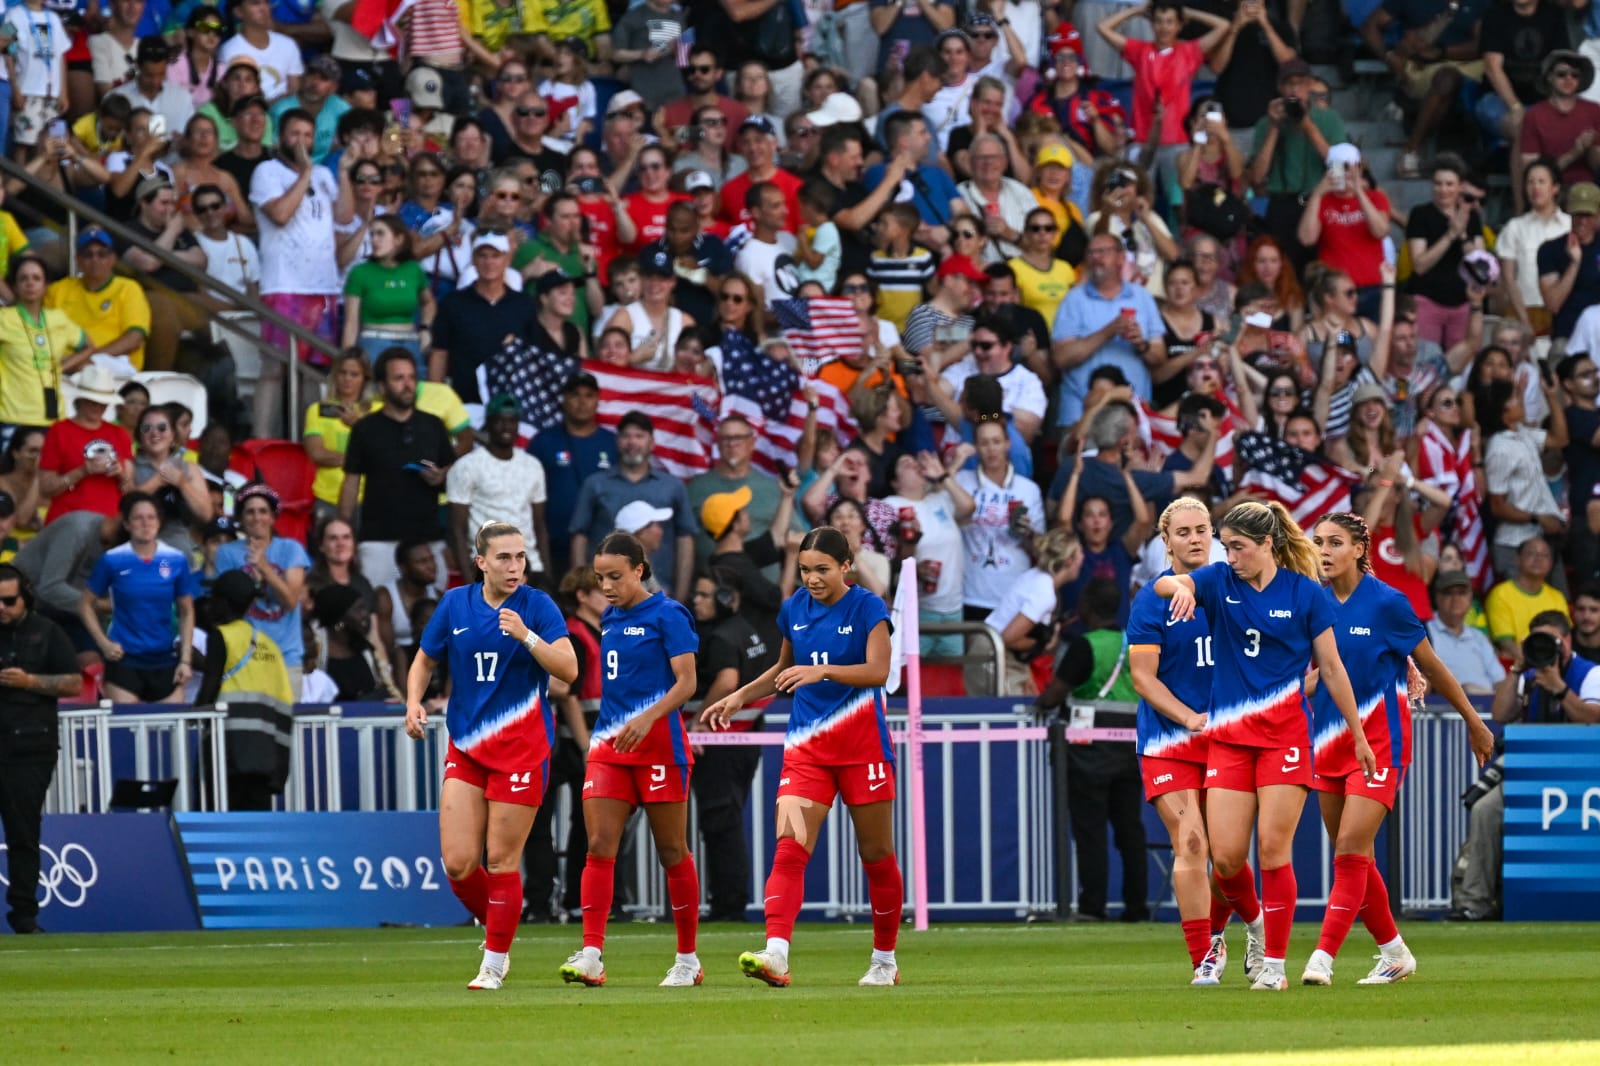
[799,628]
[124,573]
[1287,769]
[1172,621]
[497,903]
[769,899]
[889,911]
[1230,599]
[606,632]
[682,908]
[1272,910]
[1336,907]
[458,632]
[874,788]
[657,788]
[520,788]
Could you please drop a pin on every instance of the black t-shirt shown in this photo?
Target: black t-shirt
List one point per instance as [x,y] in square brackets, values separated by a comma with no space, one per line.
[28,718]
[1171,390]
[759,598]
[1583,460]
[469,327]
[1553,259]
[397,504]
[354,678]
[165,275]
[1523,42]
[733,643]
[1442,284]
[880,468]
[856,245]
[241,168]
[1239,86]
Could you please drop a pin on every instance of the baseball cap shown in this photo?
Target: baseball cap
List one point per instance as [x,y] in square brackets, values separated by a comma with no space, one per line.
[94,235]
[550,281]
[425,87]
[837,108]
[1343,154]
[1053,153]
[220,526]
[963,266]
[638,420]
[622,101]
[1294,67]
[1583,199]
[721,508]
[656,265]
[759,122]
[1452,579]
[254,100]
[497,241]
[356,78]
[235,588]
[638,514]
[697,180]
[1370,390]
[242,61]
[325,66]
[153,184]
[581,380]
[502,403]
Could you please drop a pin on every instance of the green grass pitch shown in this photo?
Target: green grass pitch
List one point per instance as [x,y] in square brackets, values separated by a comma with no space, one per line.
[1483,994]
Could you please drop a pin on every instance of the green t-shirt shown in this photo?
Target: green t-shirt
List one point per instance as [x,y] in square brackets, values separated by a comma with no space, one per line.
[1296,167]
[389,295]
[571,264]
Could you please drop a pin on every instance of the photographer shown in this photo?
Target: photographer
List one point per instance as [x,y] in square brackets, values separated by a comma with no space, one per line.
[37,667]
[1291,143]
[1556,687]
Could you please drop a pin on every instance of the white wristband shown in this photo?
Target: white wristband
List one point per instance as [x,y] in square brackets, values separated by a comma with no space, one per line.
[531,641]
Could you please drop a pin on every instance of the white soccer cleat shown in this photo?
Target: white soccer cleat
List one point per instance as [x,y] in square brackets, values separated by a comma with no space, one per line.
[1269,980]
[881,973]
[683,975]
[580,969]
[1318,971]
[1255,953]
[489,978]
[766,966]
[1391,967]
[1211,968]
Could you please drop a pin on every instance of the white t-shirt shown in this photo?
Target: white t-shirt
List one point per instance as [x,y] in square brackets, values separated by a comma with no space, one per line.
[347,43]
[233,260]
[279,60]
[1519,243]
[496,490]
[585,108]
[772,266]
[41,42]
[1033,595]
[173,103]
[941,542]
[1586,333]
[1020,388]
[110,63]
[994,558]
[299,257]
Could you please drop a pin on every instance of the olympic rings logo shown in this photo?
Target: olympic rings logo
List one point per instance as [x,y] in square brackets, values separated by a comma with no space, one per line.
[66,877]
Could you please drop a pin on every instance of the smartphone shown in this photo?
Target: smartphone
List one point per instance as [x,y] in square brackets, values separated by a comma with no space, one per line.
[402,110]
[158,125]
[57,129]
[330,410]
[1200,137]
[899,50]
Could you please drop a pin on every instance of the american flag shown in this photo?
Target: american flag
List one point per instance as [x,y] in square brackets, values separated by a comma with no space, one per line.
[821,329]
[683,408]
[768,394]
[685,46]
[1162,433]
[532,374]
[1448,465]
[1308,485]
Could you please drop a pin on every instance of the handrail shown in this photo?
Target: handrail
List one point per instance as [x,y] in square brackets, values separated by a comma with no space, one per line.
[298,334]
[975,629]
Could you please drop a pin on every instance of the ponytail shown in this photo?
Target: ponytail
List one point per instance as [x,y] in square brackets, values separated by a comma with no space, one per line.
[1291,548]
[628,547]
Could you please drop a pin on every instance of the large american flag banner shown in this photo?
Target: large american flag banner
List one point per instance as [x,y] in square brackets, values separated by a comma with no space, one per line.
[1161,432]
[1448,464]
[1308,485]
[769,395]
[683,408]
[820,329]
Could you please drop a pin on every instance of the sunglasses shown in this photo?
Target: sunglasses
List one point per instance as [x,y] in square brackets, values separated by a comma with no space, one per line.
[10,601]
[208,26]
[1347,292]
[652,166]
[701,68]
[1281,392]
[370,179]
[854,290]
[1563,72]
[155,427]
[506,195]
[713,122]
[206,209]
[528,112]
[1045,228]
[965,234]
[1445,401]
[514,77]
[732,298]
[985,346]
[804,131]
[986,35]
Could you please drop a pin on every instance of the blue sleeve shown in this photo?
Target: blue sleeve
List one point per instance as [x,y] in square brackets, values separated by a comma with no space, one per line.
[230,556]
[100,577]
[289,553]
[543,617]
[583,510]
[721,260]
[189,584]
[1207,583]
[783,617]
[1146,618]
[678,633]
[872,176]
[797,11]
[870,610]
[1150,320]
[1405,629]
[918,435]
[432,643]
[1068,324]
[1318,611]
[940,185]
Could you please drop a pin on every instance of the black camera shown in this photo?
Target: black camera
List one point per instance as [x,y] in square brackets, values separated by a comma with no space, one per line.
[1293,109]
[589,185]
[1478,270]
[1539,650]
[1486,783]
[1119,179]
[690,134]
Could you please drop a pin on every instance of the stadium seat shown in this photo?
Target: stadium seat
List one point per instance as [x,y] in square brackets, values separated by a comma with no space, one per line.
[168,387]
[286,467]
[242,461]
[943,679]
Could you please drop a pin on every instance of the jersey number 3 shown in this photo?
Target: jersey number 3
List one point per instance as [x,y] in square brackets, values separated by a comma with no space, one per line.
[1255,642]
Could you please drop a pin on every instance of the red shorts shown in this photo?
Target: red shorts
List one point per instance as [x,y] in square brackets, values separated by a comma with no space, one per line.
[523,787]
[1384,786]
[871,782]
[1241,769]
[636,784]
[1169,775]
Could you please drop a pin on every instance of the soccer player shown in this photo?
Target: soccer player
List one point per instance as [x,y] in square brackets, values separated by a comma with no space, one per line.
[505,642]
[1376,627]
[1171,666]
[1268,617]
[834,662]
[639,755]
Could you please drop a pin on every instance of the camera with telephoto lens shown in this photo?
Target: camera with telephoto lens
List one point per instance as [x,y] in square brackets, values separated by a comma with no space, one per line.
[1486,783]
[1540,650]
[1294,109]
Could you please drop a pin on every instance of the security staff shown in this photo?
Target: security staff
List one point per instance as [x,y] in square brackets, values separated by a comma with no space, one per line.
[37,667]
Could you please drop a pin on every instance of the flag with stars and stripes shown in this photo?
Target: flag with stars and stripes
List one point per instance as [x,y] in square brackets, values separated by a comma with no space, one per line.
[533,374]
[685,46]
[820,329]
[1161,432]
[1307,484]
[682,407]
[769,395]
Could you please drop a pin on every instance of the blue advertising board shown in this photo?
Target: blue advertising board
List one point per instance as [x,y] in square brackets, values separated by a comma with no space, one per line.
[300,871]
[111,873]
[1552,823]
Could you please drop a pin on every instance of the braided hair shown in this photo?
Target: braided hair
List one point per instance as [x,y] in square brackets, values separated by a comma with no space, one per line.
[1355,527]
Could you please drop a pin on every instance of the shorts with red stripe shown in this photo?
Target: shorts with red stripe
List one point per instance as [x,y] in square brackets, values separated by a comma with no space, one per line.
[1161,776]
[1243,769]
[1383,786]
[636,784]
[861,783]
[522,782]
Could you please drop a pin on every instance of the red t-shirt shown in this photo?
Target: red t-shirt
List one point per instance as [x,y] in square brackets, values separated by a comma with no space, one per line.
[1346,243]
[1546,131]
[1168,72]
[1389,566]
[66,446]
[733,193]
[681,112]
[649,217]
[602,232]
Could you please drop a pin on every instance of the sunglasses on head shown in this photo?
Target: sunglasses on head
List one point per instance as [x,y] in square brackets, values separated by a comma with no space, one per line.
[208,26]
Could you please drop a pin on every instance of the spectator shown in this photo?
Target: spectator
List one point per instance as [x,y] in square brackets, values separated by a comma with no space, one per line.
[112,310]
[1125,204]
[870,564]
[336,560]
[1001,296]
[702,75]
[938,507]
[1214,292]
[847,476]
[176,304]
[87,462]
[328,424]
[1008,511]
[735,472]
[1569,269]
[1042,278]
[151,89]
[1519,494]
[395,602]
[1580,385]
[758,143]
[38,78]
[1112,431]
[251,133]
[570,453]
[277,567]
[474,321]
[917,24]
[1346,223]
[1247,57]
[147,589]
[1516,37]
[499,483]
[1190,334]
[921,77]
[1106,322]
[746,558]
[1265,265]
[644,43]
[839,162]
[195,66]
[1465,651]
[276,56]
[399,457]
[177,485]
[606,492]
[1585,605]
[767,257]
[1562,126]
[900,268]
[318,97]
[1001,204]
[560,247]
[36,349]
[231,259]
[1291,141]
[992,344]
[1104,557]
[19,479]
[1438,48]
[1439,234]
[387,295]
[1518,243]
[938,331]
[112,51]
[1516,602]
[706,150]
[1025,617]
[241,81]
[1059,174]
[346,652]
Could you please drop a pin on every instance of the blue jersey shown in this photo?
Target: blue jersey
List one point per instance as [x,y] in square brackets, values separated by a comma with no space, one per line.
[637,646]
[1185,668]
[832,724]
[143,595]
[1261,645]
[1377,629]
[498,690]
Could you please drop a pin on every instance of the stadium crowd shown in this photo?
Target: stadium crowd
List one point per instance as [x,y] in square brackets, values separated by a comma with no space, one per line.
[984,285]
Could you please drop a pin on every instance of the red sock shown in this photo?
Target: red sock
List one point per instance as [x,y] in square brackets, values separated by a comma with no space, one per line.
[1375,914]
[1278,894]
[1197,935]
[1240,892]
[595,890]
[1344,900]
[1221,911]
[683,889]
[786,888]
[505,910]
[473,892]
[887,893]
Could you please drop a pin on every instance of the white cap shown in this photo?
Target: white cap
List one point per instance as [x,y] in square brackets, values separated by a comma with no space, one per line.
[638,514]
[621,101]
[1344,154]
[697,180]
[496,241]
[838,107]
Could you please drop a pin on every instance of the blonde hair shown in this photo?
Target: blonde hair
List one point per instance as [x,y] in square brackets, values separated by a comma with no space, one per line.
[1054,549]
[1291,548]
[1182,503]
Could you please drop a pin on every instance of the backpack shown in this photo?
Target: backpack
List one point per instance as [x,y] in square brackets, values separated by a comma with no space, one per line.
[1215,210]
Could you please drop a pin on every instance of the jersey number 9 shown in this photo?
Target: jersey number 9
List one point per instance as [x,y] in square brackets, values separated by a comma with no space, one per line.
[611,665]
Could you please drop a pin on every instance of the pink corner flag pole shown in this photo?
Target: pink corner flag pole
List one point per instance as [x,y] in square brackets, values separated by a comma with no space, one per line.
[911,640]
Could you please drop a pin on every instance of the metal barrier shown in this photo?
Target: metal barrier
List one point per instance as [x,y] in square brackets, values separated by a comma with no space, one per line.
[394,772]
[1431,821]
[188,745]
[82,782]
[989,638]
